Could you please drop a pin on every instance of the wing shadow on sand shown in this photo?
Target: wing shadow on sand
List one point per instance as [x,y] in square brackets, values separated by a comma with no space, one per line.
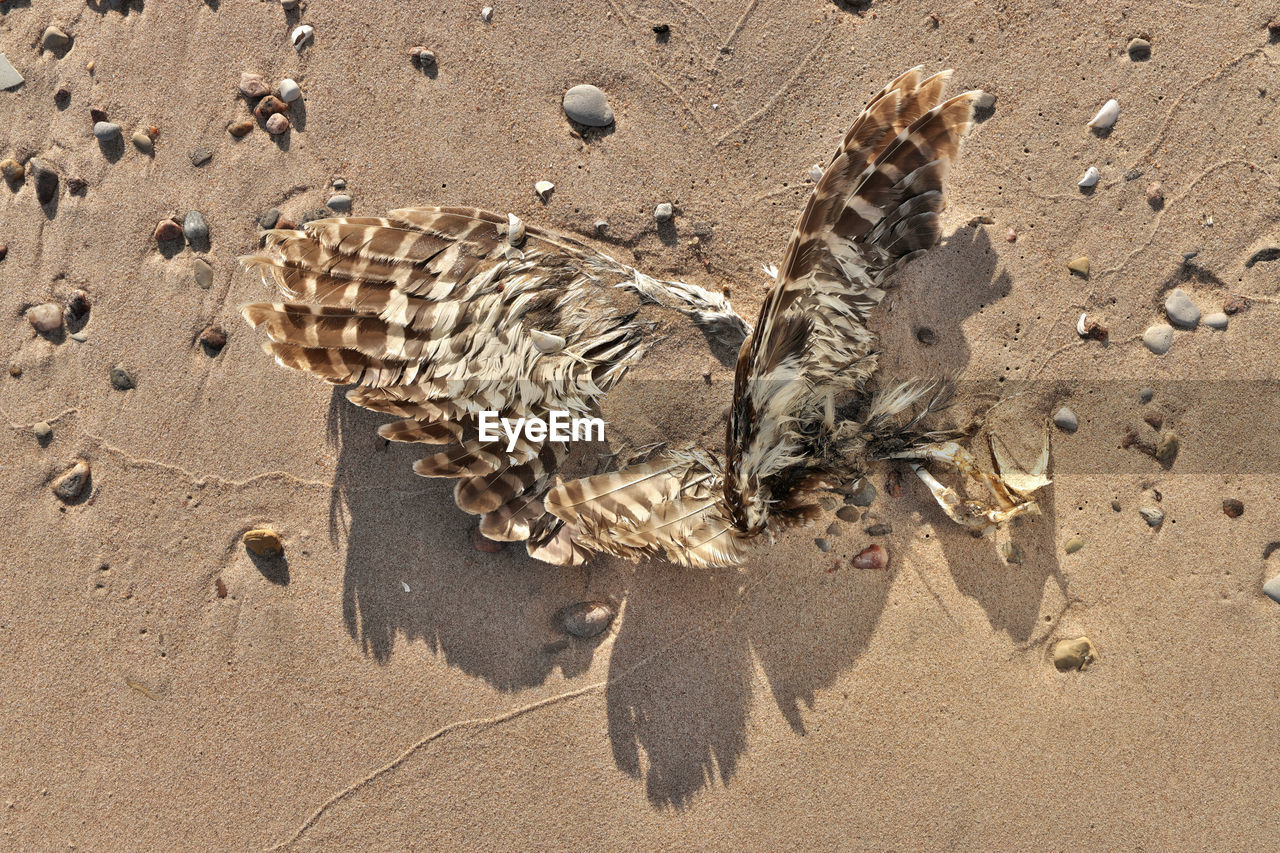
[692,645]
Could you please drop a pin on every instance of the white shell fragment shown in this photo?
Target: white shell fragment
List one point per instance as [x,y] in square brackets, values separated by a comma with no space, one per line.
[302,35]
[815,172]
[1090,178]
[515,231]
[405,586]
[9,76]
[486,14]
[1082,328]
[1106,116]
[543,189]
[546,342]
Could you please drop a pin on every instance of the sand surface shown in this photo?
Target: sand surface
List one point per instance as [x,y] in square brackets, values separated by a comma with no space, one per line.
[787,705]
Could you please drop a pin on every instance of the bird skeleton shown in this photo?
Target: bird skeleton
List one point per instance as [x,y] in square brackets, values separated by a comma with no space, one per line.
[440,314]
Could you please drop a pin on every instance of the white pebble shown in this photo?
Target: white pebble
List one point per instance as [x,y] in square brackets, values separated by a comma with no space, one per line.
[1090,178]
[663,212]
[1272,589]
[815,172]
[1217,321]
[302,35]
[1106,116]
[543,189]
[289,91]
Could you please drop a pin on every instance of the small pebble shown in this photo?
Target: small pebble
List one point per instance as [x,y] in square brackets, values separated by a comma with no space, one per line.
[77,186]
[880,529]
[12,170]
[253,85]
[213,339]
[106,131]
[43,432]
[984,101]
[194,228]
[1011,236]
[823,545]
[1167,448]
[543,189]
[486,14]
[97,114]
[1106,117]
[70,483]
[1233,508]
[1154,419]
[1090,178]
[1012,553]
[240,127]
[9,76]
[422,57]
[302,36]
[926,336]
[1066,420]
[121,378]
[1272,587]
[277,124]
[587,105]
[600,225]
[1153,516]
[1180,310]
[833,530]
[873,557]
[864,494]
[663,212]
[268,106]
[1155,196]
[339,183]
[4,251]
[1146,395]
[290,91]
[46,180]
[55,39]
[1139,50]
[340,202]
[828,503]
[1217,321]
[587,619]
[1158,338]
[220,587]
[46,317]
[1235,304]
[200,156]
[263,542]
[848,513]
[1074,654]
[483,543]
[167,230]
[202,273]
[1074,544]
[268,220]
[143,142]
[1079,266]
[1115,505]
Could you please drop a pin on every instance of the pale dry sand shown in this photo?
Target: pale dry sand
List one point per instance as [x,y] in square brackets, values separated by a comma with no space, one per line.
[783,706]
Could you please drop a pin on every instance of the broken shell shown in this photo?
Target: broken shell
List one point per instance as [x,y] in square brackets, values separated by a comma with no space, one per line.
[546,342]
[815,172]
[515,230]
[1152,516]
[263,542]
[587,619]
[1106,116]
[71,482]
[543,189]
[873,557]
[302,35]
[1082,329]
[1074,654]
[1090,178]
[486,14]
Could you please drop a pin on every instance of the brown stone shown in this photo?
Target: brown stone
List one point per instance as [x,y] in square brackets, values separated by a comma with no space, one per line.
[263,542]
[213,339]
[240,127]
[268,106]
[168,230]
[1233,508]
[871,558]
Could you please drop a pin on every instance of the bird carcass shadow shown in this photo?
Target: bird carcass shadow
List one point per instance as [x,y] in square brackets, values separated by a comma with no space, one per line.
[412,573]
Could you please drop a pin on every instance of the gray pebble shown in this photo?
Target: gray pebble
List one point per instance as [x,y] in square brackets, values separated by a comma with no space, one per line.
[290,91]
[79,337]
[43,432]
[46,317]
[984,101]
[268,220]
[1180,310]
[9,76]
[587,619]
[881,529]
[1066,420]
[833,530]
[200,156]
[71,482]
[55,39]
[1152,516]
[194,228]
[823,545]
[663,212]
[1012,553]
[848,513]
[1158,338]
[340,202]
[864,494]
[1139,50]
[339,183]
[46,179]
[587,105]
[1217,320]
[1272,589]
[828,503]
[1146,395]
[121,378]
[202,273]
[106,131]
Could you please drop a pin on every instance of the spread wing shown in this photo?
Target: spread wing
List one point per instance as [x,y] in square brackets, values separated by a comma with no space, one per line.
[439,314]
[874,210]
